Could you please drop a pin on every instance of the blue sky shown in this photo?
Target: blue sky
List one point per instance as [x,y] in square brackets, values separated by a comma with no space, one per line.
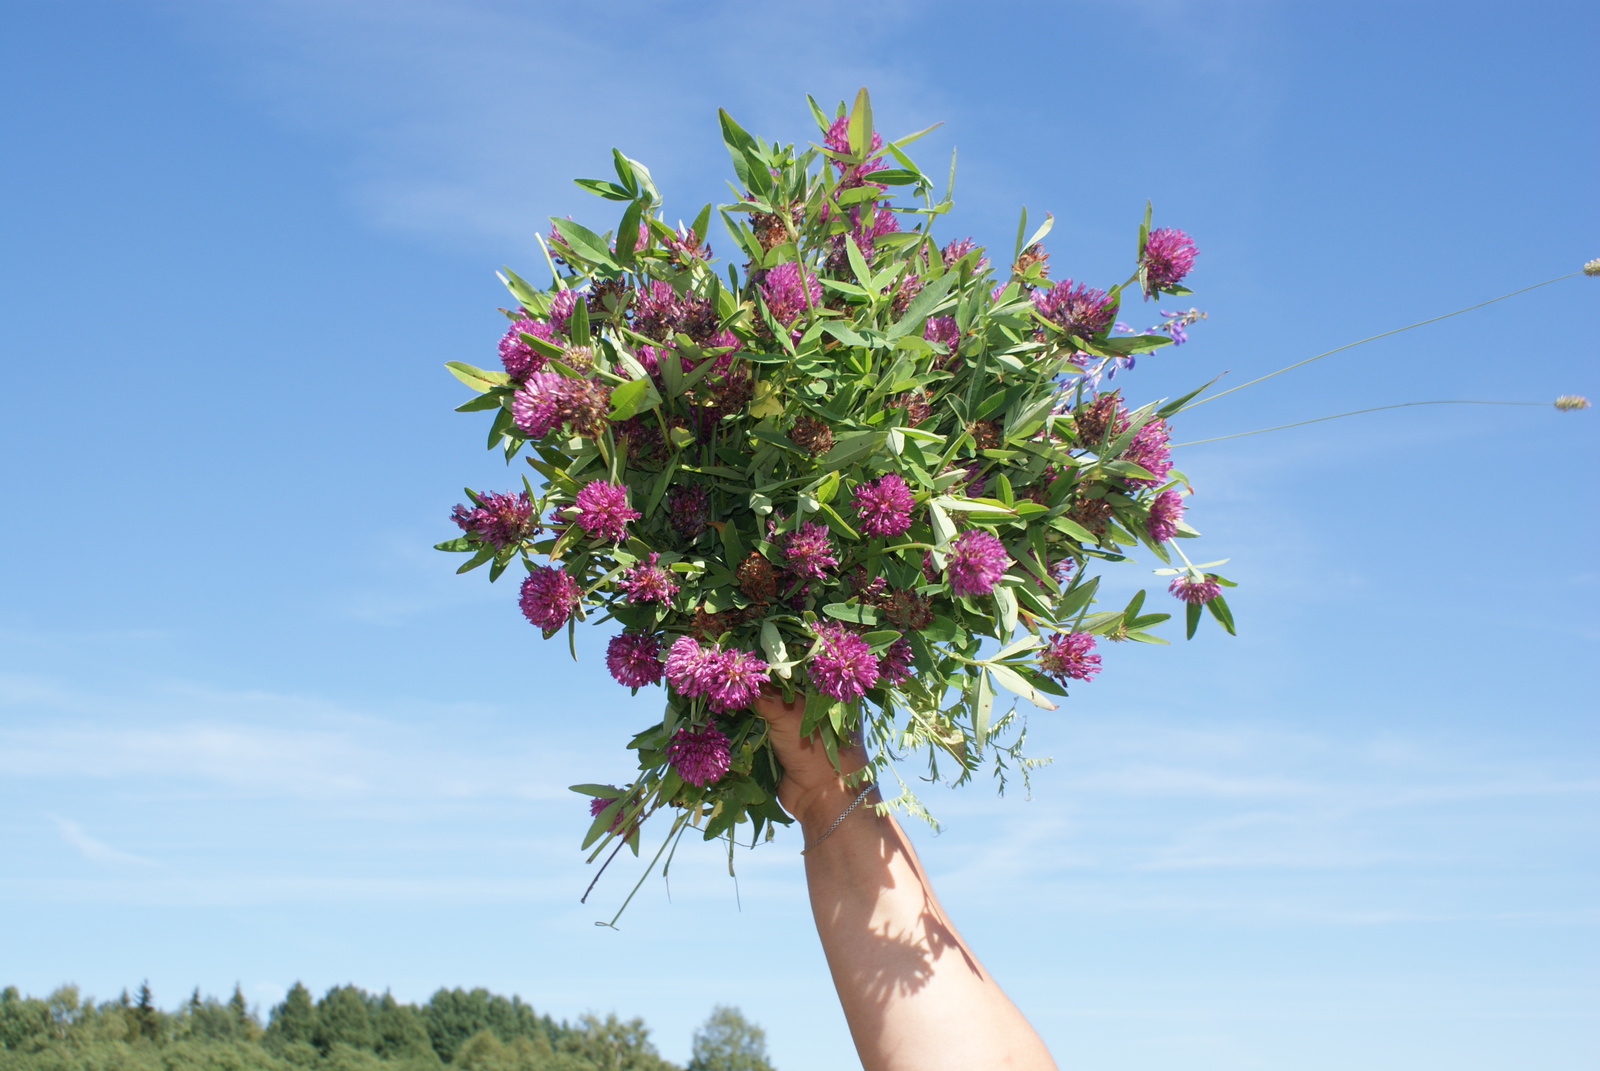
[252,728]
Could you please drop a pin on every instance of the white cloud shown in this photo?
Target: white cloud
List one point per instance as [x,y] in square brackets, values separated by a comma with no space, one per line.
[96,851]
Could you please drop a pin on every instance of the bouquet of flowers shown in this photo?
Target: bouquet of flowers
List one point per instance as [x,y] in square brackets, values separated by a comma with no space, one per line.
[861,466]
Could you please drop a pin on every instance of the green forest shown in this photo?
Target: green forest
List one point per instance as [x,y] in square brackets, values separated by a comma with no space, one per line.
[348,1029]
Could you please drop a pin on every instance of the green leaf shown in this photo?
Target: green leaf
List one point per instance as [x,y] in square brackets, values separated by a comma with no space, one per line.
[609,190]
[922,305]
[858,613]
[457,545]
[860,126]
[632,398]
[478,379]
[584,242]
[982,708]
[628,233]
[1007,677]
[1219,610]
[1191,620]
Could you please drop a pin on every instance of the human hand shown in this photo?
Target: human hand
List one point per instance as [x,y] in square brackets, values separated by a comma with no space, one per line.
[812,790]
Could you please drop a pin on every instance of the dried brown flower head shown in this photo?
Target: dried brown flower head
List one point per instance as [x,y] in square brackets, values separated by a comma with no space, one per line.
[811,435]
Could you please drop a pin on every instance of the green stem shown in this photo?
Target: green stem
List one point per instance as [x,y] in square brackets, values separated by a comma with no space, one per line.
[1353,412]
[1385,334]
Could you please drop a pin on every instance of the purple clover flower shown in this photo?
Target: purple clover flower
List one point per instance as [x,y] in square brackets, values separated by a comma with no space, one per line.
[786,292]
[549,596]
[808,552]
[600,803]
[960,248]
[1075,308]
[1148,449]
[738,680]
[1166,510]
[497,519]
[943,330]
[844,666]
[633,659]
[648,582]
[1068,657]
[687,510]
[1168,256]
[975,561]
[1195,592]
[895,664]
[691,668]
[884,505]
[519,358]
[547,400]
[837,138]
[603,510]
[561,307]
[699,755]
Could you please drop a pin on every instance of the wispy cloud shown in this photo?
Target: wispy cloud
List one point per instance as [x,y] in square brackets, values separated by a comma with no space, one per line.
[90,848]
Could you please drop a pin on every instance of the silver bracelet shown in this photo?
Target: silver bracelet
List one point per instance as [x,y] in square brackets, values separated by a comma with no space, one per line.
[841,818]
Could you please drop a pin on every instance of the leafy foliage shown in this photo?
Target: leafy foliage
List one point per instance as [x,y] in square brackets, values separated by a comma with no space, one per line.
[860,466]
[349,1029]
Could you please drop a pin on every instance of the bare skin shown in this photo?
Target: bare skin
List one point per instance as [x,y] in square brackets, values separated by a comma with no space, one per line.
[915,996]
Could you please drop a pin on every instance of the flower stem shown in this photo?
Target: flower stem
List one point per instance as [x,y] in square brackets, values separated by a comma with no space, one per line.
[1353,412]
[1384,334]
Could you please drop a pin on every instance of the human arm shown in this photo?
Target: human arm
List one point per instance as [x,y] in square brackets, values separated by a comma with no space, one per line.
[915,996]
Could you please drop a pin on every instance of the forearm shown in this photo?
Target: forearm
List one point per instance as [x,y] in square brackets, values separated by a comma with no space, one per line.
[915,997]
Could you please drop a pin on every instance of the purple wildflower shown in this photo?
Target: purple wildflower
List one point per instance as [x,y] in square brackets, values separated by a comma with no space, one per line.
[1076,309]
[549,400]
[1190,590]
[838,139]
[974,562]
[497,519]
[600,803]
[549,596]
[699,755]
[648,582]
[1166,510]
[561,307]
[786,293]
[739,676]
[1148,449]
[844,666]
[603,510]
[692,669]
[808,552]
[960,248]
[879,221]
[943,330]
[1168,256]
[884,505]
[634,659]
[517,356]
[895,665]
[1067,657]
[687,509]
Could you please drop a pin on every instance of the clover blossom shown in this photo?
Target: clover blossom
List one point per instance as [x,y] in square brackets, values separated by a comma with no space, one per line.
[687,510]
[518,357]
[1067,657]
[895,663]
[1168,256]
[960,248]
[1195,590]
[632,658]
[1166,511]
[1075,308]
[603,510]
[496,519]
[561,307]
[648,582]
[808,552]
[549,400]
[1148,449]
[787,292]
[844,666]
[737,680]
[549,596]
[943,330]
[884,505]
[974,562]
[700,756]
[692,669]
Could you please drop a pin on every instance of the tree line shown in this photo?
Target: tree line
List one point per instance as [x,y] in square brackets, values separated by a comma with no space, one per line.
[348,1029]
